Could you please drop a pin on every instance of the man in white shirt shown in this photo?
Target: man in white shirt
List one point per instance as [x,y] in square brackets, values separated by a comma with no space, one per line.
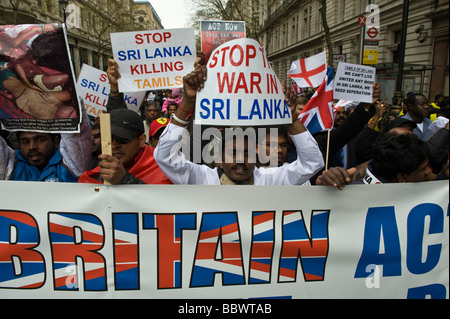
[242,168]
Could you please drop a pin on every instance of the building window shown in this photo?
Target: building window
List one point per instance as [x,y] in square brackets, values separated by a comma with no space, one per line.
[294,35]
[105,62]
[49,6]
[319,20]
[340,11]
[360,6]
[285,36]
[277,40]
[83,56]
[95,59]
[397,40]
[61,10]
[307,22]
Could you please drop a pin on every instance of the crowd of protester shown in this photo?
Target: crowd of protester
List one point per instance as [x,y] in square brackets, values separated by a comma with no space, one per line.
[369,143]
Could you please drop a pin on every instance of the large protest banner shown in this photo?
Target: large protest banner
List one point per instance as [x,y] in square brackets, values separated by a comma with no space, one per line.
[37,89]
[89,241]
[155,59]
[94,89]
[242,88]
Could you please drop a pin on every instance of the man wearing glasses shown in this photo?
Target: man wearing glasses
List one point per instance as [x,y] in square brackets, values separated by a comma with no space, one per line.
[132,160]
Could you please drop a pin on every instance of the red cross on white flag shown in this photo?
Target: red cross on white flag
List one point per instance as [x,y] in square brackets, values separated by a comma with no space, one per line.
[309,72]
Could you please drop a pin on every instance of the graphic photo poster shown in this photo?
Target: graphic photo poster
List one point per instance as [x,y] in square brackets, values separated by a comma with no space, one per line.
[38,87]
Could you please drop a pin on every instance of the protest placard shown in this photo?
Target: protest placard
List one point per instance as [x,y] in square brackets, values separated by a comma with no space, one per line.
[94,241]
[37,90]
[155,59]
[354,82]
[215,33]
[241,89]
[94,89]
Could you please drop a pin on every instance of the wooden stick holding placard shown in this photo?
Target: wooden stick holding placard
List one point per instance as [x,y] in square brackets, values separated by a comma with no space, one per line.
[328,149]
[105,133]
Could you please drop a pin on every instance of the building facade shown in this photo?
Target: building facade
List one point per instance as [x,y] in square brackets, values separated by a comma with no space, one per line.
[89,23]
[294,29]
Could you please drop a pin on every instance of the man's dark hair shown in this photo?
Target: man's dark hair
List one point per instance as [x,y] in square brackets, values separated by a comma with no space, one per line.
[411,98]
[444,103]
[53,136]
[394,154]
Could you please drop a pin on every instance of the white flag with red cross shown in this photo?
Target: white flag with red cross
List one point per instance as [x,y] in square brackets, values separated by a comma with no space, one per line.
[309,72]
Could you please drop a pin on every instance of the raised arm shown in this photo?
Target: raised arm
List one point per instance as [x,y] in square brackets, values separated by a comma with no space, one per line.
[192,83]
[7,160]
[115,99]
[76,147]
[168,154]
[296,127]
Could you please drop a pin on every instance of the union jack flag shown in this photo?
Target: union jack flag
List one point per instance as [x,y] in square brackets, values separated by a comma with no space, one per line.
[341,103]
[318,114]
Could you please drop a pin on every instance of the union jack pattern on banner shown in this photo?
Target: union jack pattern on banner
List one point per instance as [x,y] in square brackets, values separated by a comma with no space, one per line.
[20,265]
[218,251]
[311,248]
[318,114]
[72,236]
[126,251]
[262,247]
[170,228]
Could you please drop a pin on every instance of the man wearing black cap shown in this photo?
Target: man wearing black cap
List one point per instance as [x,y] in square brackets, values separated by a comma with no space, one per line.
[132,160]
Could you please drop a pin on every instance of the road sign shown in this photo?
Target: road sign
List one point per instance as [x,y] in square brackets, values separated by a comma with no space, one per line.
[362,21]
[372,32]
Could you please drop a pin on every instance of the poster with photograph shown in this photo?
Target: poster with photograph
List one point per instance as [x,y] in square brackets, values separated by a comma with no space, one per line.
[37,86]
[215,33]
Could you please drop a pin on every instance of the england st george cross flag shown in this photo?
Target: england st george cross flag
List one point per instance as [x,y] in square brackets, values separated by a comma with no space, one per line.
[309,72]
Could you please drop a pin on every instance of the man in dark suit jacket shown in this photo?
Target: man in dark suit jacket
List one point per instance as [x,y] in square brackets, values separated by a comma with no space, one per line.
[418,110]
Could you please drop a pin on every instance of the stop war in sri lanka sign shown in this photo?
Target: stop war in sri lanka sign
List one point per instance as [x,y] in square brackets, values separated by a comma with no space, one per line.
[241,89]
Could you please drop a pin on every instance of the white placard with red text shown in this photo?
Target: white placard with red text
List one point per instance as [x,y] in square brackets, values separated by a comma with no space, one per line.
[153,59]
[93,87]
[241,89]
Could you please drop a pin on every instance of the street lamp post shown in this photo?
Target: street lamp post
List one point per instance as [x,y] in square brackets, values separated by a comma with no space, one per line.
[401,58]
[64,4]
